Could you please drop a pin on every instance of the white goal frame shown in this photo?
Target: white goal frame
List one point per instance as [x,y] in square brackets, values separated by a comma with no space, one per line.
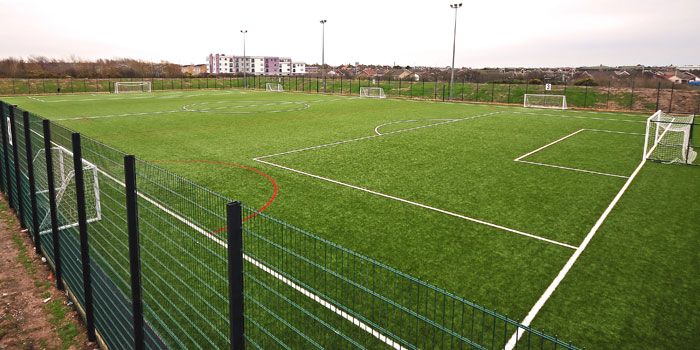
[64,182]
[372,92]
[668,138]
[273,87]
[142,86]
[531,101]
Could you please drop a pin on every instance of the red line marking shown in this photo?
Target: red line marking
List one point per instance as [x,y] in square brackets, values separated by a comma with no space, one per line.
[275,188]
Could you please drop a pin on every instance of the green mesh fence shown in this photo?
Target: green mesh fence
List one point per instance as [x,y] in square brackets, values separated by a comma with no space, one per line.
[300,291]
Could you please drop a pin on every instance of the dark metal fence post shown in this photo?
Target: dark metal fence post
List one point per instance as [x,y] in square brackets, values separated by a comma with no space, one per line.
[18,175]
[443,92]
[607,101]
[493,85]
[53,211]
[134,253]
[32,185]
[476,95]
[83,229]
[658,94]
[585,97]
[508,100]
[435,89]
[632,97]
[670,103]
[234,224]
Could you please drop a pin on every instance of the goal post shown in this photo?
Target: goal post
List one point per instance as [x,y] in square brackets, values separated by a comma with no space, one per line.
[668,138]
[65,189]
[273,87]
[544,101]
[123,87]
[372,92]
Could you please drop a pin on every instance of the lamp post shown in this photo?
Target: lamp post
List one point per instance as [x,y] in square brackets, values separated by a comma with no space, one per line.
[245,61]
[323,53]
[454,43]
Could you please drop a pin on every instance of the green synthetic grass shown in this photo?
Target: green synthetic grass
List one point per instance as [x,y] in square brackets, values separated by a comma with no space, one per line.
[465,167]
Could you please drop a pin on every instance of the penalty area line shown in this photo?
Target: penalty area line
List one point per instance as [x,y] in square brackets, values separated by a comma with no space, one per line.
[420,205]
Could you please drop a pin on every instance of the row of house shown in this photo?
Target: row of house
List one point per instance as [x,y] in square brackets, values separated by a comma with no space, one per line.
[255,65]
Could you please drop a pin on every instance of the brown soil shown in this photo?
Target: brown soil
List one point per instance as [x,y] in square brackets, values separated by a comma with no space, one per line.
[26,291]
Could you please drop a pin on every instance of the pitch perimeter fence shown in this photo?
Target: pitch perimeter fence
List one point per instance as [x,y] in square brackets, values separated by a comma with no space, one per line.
[153,260]
[620,95]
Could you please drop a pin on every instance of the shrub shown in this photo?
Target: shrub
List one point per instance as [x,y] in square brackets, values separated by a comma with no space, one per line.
[586,82]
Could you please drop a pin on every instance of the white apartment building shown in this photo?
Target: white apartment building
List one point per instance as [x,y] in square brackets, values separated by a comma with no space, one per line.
[298,68]
[256,65]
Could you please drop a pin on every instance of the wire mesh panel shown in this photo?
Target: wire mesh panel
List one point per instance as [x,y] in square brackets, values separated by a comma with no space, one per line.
[669,138]
[8,169]
[23,190]
[183,254]
[305,292]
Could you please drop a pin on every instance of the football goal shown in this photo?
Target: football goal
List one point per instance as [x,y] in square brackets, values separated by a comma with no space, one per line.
[274,87]
[669,138]
[544,101]
[65,189]
[372,92]
[123,87]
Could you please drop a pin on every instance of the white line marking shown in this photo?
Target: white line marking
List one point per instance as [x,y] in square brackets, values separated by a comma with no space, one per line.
[520,159]
[569,168]
[549,144]
[616,132]
[565,270]
[376,130]
[373,136]
[577,117]
[119,115]
[154,95]
[512,342]
[486,223]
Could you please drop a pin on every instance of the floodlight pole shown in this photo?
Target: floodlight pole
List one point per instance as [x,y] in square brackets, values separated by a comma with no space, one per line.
[245,61]
[323,52]
[454,45]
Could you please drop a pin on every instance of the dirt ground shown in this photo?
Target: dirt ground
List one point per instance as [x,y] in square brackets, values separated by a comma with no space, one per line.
[33,313]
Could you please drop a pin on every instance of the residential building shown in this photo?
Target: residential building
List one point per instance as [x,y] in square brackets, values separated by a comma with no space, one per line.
[256,65]
[298,68]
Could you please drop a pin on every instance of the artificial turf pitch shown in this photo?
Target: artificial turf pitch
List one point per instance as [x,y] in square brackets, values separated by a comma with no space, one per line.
[434,190]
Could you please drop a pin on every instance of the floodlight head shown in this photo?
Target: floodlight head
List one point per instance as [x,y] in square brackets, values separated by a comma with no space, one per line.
[455,6]
[244,31]
[323,21]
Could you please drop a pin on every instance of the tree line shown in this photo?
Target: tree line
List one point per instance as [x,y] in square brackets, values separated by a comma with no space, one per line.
[43,67]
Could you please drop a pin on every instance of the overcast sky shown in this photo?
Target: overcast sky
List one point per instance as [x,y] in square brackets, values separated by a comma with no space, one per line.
[507,33]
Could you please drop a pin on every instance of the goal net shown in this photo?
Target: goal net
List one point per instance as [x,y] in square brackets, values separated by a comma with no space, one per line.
[669,138]
[274,87]
[123,87]
[372,92]
[65,189]
[545,101]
